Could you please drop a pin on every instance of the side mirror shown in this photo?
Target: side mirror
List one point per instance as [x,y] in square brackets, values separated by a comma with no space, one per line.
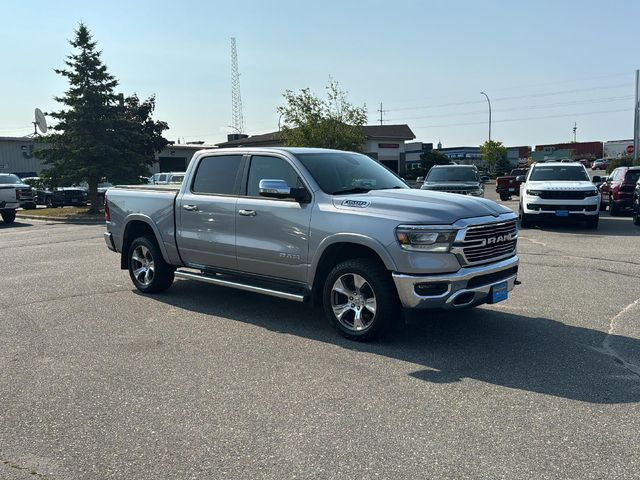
[520,178]
[597,179]
[484,179]
[275,188]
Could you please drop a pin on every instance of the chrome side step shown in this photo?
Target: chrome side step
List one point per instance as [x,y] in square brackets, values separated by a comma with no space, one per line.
[296,297]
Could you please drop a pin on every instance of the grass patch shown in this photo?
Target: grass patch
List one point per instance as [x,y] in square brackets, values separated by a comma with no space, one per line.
[67,212]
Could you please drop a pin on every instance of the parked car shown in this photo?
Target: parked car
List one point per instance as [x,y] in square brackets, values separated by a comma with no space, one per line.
[9,197]
[617,192]
[558,190]
[44,195]
[508,185]
[326,226]
[600,164]
[167,178]
[461,179]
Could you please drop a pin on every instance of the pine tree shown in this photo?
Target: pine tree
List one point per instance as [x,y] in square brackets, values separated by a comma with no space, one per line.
[99,135]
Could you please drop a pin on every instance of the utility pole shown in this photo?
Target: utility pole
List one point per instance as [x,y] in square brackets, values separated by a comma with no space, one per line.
[636,121]
[381,113]
[236,100]
[489,102]
[575,128]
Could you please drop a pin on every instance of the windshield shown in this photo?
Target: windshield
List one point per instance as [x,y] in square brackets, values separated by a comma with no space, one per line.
[454,174]
[9,179]
[345,172]
[575,173]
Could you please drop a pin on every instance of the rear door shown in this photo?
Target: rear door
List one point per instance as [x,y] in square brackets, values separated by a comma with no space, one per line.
[206,213]
[272,235]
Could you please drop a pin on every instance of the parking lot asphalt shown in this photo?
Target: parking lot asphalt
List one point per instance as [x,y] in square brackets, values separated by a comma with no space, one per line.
[99,381]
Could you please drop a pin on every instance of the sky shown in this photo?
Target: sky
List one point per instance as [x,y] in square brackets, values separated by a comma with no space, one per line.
[546,65]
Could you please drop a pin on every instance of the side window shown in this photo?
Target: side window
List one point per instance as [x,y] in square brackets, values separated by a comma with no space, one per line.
[615,175]
[217,174]
[162,178]
[270,168]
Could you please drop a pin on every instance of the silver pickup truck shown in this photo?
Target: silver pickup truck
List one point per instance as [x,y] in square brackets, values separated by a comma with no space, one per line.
[329,227]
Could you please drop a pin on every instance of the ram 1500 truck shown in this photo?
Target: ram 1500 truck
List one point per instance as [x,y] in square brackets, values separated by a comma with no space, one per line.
[329,227]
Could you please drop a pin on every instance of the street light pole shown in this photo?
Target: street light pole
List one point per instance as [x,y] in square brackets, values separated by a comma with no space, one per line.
[489,102]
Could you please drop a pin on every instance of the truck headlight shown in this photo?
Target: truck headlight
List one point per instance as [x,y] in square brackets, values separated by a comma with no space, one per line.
[535,193]
[421,239]
[477,192]
[591,193]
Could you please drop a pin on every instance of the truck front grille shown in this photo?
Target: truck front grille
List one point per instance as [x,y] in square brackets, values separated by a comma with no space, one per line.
[489,242]
[564,195]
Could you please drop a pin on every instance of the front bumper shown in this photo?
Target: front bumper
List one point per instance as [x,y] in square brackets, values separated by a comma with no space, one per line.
[468,286]
[532,205]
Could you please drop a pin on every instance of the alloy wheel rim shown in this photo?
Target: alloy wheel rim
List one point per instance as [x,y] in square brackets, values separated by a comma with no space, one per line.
[353,302]
[143,266]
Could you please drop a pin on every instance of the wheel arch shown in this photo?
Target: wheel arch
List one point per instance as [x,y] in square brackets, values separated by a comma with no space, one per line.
[139,226]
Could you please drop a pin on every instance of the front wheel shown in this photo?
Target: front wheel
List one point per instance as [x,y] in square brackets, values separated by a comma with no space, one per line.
[592,222]
[9,216]
[147,269]
[613,208]
[360,299]
[525,220]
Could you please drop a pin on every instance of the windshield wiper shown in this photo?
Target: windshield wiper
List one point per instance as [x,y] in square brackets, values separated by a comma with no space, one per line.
[351,190]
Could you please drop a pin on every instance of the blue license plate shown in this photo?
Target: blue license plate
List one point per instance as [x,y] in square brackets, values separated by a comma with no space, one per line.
[562,213]
[499,292]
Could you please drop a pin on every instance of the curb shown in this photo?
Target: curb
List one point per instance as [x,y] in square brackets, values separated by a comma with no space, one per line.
[77,221]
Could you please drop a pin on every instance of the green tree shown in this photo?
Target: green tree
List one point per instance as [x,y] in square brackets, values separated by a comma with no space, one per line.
[431,158]
[492,152]
[334,122]
[503,166]
[98,134]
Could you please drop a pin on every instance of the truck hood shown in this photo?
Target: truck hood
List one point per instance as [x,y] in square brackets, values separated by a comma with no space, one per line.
[419,206]
[560,185]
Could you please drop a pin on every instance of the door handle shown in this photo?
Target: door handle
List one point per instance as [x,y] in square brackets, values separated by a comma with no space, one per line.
[247,213]
[190,208]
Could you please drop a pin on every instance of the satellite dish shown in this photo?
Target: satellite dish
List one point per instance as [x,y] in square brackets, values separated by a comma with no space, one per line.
[40,122]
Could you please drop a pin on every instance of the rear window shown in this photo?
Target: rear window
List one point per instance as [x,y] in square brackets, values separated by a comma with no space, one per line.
[632,176]
[572,173]
[217,175]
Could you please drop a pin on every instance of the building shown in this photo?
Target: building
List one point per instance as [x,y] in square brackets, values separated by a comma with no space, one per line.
[579,150]
[17,155]
[518,155]
[385,143]
[463,155]
[413,151]
[176,157]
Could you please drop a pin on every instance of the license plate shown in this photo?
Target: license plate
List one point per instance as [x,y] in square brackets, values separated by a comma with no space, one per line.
[499,292]
[512,189]
[562,213]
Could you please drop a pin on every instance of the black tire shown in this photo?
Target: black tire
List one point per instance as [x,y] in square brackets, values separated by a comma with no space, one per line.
[613,208]
[48,202]
[504,197]
[144,256]
[636,211]
[377,285]
[9,216]
[525,220]
[592,222]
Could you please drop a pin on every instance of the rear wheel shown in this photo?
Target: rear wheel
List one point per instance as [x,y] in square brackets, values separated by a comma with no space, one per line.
[505,196]
[147,269]
[636,211]
[360,299]
[613,208]
[9,216]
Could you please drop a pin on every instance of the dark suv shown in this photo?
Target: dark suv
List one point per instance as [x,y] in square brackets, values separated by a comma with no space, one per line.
[636,204]
[617,192]
[462,179]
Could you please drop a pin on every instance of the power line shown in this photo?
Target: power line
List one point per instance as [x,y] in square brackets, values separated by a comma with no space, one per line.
[517,97]
[527,118]
[524,107]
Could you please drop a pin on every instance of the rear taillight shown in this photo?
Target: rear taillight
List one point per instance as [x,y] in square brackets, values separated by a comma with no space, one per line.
[107,214]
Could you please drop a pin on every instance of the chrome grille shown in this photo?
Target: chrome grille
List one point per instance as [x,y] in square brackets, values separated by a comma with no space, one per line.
[489,242]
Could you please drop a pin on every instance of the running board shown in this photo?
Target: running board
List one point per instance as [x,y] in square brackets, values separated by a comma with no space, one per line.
[296,297]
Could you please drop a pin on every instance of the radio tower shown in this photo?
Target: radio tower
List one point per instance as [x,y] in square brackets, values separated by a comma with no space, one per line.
[236,100]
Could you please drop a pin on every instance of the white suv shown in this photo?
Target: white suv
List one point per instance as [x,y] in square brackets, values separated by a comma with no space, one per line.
[559,190]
